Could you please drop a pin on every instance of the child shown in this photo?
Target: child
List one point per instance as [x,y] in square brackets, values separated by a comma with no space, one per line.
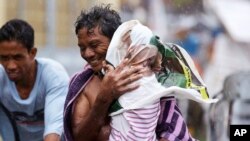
[135,114]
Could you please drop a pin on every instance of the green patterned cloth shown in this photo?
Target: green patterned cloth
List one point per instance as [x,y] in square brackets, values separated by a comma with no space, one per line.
[177,73]
[178,68]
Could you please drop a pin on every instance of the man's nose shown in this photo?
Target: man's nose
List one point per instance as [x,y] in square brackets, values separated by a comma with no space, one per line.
[89,53]
[11,64]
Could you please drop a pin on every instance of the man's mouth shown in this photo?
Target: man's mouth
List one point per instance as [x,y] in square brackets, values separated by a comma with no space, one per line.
[12,75]
[94,62]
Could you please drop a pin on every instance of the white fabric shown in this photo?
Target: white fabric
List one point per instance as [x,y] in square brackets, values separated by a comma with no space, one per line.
[148,86]
[123,126]
[130,124]
[149,92]
[118,49]
[49,93]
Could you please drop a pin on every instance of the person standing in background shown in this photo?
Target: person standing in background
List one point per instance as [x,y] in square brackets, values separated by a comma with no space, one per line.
[32,89]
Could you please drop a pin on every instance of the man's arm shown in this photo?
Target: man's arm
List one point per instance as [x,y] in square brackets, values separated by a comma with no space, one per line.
[87,123]
[52,137]
[56,81]
[112,86]
[53,111]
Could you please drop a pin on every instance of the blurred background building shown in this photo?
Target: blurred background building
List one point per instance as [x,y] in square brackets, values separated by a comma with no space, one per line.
[53,22]
[216,33]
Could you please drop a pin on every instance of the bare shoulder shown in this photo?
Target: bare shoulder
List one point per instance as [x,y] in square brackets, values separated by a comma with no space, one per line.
[81,109]
[85,101]
[92,90]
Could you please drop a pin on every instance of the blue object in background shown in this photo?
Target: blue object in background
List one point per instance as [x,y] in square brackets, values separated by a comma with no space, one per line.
[191,43]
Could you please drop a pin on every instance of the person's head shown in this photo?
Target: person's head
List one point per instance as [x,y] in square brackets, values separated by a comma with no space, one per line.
[132,41]
[94,30]
[17,50]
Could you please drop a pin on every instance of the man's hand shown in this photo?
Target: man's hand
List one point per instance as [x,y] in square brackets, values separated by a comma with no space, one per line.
[119,81]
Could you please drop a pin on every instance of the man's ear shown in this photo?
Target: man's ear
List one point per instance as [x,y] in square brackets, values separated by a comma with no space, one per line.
[33,52]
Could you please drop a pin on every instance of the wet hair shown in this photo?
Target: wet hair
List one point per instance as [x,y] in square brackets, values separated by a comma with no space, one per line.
[18,30]
[107,19]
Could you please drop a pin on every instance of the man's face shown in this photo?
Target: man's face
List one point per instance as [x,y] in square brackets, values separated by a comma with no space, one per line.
[93,46]
[16,60]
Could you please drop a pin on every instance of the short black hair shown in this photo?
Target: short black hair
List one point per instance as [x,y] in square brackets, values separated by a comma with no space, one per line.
[107,19]
[18,30]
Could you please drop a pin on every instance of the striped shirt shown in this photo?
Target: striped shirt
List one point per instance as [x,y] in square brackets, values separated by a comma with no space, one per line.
[171,124]
[136,125]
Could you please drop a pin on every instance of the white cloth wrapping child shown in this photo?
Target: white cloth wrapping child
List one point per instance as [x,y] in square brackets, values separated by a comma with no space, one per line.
[137,119]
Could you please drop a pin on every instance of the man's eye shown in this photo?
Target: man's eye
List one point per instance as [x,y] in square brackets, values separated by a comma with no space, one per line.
[82,48]
[18,57]
[93,46]
[4,58]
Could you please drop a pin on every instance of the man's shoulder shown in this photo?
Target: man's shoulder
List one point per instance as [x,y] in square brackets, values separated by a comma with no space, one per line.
[48,62]
[78,80]
[49,68]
